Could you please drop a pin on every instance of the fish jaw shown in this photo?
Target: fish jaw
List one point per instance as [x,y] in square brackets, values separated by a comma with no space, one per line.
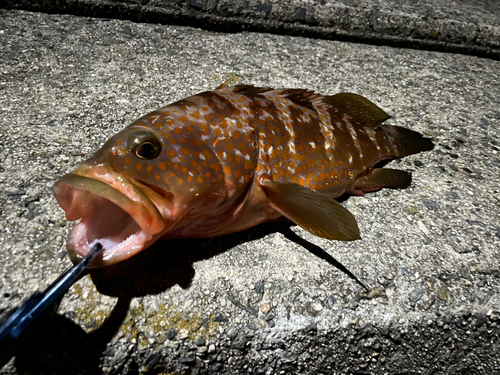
[119,213]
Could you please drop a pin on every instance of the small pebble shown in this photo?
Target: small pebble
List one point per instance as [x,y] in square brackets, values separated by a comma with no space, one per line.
[317,306]
[422,227]
[232,333]
[411,209]
[171,334]
[416,294]
[265,307]
[202,349]
[199,342]
[259,287]
[183,334]
[195,325]
[443,294]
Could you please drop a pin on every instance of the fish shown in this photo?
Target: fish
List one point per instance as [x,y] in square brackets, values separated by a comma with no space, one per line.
[226,160]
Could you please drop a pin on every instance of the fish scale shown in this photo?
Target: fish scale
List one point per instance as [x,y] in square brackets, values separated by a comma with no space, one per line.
[225,160]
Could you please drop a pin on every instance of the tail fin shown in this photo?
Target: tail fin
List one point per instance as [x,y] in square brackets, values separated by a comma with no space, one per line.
[408,142]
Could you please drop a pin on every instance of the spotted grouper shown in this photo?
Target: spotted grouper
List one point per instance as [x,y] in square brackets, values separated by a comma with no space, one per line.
[225,160]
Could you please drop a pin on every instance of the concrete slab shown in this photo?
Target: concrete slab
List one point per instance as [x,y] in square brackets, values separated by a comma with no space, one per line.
[257,301]
[462,26]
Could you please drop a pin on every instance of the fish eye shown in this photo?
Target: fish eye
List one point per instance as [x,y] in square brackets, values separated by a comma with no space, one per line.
[145,145]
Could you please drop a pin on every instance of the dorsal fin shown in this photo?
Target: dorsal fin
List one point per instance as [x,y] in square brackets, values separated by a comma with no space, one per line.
[250,90]
[357,108]
[302,97]
[223,86]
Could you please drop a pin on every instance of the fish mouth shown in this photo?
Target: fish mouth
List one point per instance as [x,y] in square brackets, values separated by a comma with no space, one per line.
[119,213]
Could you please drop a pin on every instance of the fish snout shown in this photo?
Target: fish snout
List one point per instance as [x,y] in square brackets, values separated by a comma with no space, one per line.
[119,213]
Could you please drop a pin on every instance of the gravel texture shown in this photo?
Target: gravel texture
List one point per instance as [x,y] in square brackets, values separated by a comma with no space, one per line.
[261,301]
[464,26]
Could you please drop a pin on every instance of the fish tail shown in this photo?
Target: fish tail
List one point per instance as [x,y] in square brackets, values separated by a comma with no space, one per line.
[406,141]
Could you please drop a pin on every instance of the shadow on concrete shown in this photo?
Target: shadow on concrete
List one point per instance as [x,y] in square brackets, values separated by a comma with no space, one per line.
[168,263]
[63,347]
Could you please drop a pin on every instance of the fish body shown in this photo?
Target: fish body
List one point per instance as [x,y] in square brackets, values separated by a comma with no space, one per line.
[225,160]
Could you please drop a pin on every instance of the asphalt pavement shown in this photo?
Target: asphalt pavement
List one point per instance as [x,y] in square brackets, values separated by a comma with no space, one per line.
[460,26]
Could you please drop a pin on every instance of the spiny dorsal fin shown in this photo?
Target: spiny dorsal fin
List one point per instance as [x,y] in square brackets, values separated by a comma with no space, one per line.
[302,97]
[313,211]
[250,90]
[357,108]
[223,86]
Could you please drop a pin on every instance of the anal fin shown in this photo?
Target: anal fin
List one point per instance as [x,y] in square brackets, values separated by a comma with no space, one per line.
[381,178]
[313,211]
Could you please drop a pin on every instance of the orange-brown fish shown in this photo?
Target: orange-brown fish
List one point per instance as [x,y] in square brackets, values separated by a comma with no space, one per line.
[226,160]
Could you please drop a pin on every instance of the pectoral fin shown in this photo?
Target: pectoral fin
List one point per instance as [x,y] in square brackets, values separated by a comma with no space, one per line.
[313,211]
[380,178]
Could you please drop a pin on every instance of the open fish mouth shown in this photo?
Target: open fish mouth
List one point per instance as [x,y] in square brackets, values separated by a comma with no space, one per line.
[113,211]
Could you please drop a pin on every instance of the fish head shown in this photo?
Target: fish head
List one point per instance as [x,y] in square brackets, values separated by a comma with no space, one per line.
[140,185]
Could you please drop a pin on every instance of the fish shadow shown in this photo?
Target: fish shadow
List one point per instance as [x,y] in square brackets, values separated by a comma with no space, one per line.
[170,262]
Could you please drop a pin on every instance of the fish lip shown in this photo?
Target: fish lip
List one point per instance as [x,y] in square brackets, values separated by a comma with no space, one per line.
[95,194]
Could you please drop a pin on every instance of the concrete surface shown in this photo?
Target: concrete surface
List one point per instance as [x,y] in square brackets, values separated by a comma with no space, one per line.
[463,26]
[257,301]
